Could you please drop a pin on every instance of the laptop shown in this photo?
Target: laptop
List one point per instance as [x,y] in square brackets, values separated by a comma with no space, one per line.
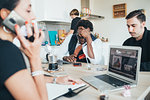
[123,68]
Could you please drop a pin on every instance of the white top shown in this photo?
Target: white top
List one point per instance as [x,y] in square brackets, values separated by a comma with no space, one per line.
[62,50]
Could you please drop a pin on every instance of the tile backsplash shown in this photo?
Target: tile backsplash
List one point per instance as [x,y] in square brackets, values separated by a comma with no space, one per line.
[55,26]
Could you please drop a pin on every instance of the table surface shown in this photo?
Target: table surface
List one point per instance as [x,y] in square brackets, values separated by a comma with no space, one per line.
[93,94]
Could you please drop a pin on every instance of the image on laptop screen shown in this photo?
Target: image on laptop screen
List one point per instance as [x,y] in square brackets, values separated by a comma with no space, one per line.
[123,62]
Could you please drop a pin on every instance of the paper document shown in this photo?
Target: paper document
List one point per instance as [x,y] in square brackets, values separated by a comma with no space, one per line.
[56,90]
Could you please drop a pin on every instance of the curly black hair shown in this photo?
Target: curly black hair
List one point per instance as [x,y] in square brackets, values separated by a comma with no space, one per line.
[86,24]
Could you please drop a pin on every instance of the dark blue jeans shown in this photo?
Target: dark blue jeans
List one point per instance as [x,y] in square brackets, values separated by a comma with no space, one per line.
[145,66]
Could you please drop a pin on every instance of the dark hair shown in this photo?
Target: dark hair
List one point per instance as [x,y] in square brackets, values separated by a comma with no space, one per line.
[8,4]
[139,15]
[74,12]
[86,24]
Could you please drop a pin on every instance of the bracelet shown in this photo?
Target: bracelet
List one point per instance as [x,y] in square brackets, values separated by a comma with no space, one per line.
[36,73]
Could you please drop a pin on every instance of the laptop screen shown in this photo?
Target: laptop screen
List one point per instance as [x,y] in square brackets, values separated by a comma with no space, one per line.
[123,62]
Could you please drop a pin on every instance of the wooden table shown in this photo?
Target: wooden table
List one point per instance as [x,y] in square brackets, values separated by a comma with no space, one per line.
[93,94]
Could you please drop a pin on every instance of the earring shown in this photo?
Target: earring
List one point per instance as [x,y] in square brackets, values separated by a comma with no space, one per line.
[4,28]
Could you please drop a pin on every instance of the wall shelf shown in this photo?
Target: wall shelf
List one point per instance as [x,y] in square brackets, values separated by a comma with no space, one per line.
[90,16]
[119,10]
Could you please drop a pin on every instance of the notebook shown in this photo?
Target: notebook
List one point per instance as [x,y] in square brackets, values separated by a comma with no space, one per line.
[123,68]
[57,90]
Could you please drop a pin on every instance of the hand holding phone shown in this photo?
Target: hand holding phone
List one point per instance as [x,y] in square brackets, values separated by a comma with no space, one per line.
[23,30]
[31,49]
[12,19]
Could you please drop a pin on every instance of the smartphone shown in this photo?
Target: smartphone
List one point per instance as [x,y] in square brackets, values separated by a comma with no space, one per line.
[12,19]
[77,64]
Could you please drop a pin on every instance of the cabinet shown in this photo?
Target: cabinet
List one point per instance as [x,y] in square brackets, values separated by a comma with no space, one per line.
[54,10]
[119,10]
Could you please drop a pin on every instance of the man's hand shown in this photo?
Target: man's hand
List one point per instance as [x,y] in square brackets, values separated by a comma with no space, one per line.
[70,58]
[85,33]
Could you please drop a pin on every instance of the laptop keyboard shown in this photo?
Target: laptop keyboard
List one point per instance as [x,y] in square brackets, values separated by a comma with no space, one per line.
[111,80]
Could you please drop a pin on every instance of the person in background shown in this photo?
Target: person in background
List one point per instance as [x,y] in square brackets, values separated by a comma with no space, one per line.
[140,36]
[83,45]
[74,14]
[16,82]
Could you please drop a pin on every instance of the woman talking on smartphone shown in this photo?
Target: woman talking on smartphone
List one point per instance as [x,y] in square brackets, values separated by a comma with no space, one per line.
[16,82]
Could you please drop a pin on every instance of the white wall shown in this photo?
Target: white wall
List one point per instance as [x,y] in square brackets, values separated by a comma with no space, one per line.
[116,29]
[54,10]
